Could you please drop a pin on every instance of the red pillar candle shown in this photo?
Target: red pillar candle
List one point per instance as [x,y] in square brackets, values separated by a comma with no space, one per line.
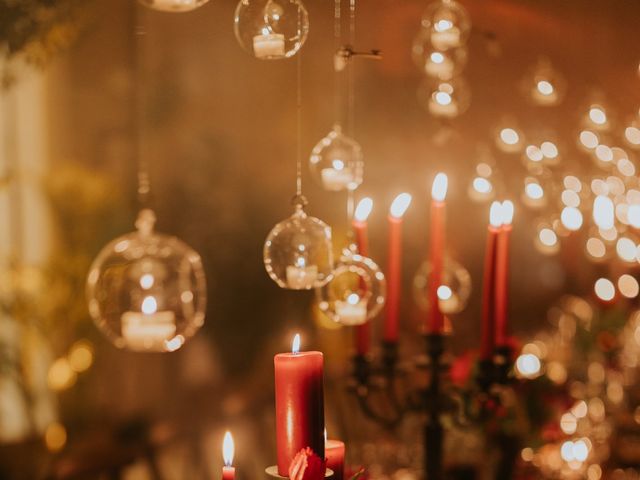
[394,267]
[435,322]
[502,274]
[335,451]
[299,404]
[363,332]
[228,472]
[488,284]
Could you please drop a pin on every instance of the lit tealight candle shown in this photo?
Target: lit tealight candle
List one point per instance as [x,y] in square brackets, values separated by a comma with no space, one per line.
[338,177]
[228,449]
[353,311]
[268,44]
[445,35]
[301,276]
[148,328]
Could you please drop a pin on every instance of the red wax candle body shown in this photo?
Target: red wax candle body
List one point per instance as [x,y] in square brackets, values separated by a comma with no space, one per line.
[363,332]
[488,296]
[435,322]
[299,406]
[502,285]
[335,451]
[228,473]
[392,305]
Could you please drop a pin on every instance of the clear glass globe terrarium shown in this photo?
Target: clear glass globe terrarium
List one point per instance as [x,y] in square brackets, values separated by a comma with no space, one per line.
[336,162]
[448,23]
[269,29]
[454,291]
[357,292]
[173,5]
[147,291]
[298,252]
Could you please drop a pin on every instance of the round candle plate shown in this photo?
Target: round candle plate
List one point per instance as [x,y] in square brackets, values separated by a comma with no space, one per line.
[272,472]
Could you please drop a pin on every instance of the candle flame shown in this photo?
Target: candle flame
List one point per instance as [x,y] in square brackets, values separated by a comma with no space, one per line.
[363,210]
[295,345]
[400,205]
[353,299]
[149,305]
[495,214]
[439,187]
[603,212]
[507,212]
[444,292]
[228,449]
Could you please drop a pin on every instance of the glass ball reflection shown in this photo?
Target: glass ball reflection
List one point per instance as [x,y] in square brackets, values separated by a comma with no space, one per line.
[298,252]
[336,162]
[269,29]
[442,64]
[453,294]
[173,5]
[445,98]
[147,291]
[448,24]
[356,293]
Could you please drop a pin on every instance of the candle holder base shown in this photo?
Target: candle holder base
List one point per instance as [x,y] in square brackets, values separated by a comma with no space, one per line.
[272,472]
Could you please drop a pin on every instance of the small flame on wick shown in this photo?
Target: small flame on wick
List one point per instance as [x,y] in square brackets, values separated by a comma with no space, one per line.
[363,210]
[149,305]
[353,299]
[295,345]
[228,449]
[400,205]
[439,187]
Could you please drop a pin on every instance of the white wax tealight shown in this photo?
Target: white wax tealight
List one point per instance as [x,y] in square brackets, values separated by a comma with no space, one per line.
[173,4]
[446,39]
[143,331]
[439,65]
[336,179]
[353,311]
[443,106]
[301,277]
[269,45]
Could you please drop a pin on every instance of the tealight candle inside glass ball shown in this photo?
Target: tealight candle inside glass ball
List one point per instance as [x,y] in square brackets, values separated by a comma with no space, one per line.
[336,162]
[270,29]
[448,24]
[445,99]
[453,293]
[298,251]
[173,5]
[147,291]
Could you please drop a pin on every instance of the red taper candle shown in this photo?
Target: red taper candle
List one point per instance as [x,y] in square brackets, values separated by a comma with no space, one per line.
[502,274]
[487,342]
[335,451]
[299,404]
[435,320]
[363,332]
[394,267]
[228,449]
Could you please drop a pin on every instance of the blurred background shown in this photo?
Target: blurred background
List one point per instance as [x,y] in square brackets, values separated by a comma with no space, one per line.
[93,88]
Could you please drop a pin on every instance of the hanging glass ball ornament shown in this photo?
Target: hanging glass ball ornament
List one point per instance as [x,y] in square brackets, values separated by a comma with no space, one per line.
[448,24]
[453,293]
[147,291]
[357,291]
[442,64]
[336,162]
[445,98]
[269,29]
[298,253]
[173,5]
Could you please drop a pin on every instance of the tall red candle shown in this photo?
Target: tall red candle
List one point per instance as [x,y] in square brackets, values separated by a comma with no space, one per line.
[363,332]
[488,284]
[435,321]
[299,404]
[394,267]
[502,274]
[228,448]
[335,458]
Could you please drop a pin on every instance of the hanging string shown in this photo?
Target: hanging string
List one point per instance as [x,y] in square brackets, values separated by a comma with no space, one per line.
[144,182]
[299,125]
[337,44]
[351,73]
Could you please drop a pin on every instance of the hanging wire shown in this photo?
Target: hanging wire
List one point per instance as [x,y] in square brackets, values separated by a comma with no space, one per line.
[144,182]
[351,73]
[337,44]
[299,125]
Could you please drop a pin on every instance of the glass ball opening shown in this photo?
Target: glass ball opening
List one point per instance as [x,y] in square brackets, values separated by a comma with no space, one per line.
[269,29]
[298,252]
[147,291]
